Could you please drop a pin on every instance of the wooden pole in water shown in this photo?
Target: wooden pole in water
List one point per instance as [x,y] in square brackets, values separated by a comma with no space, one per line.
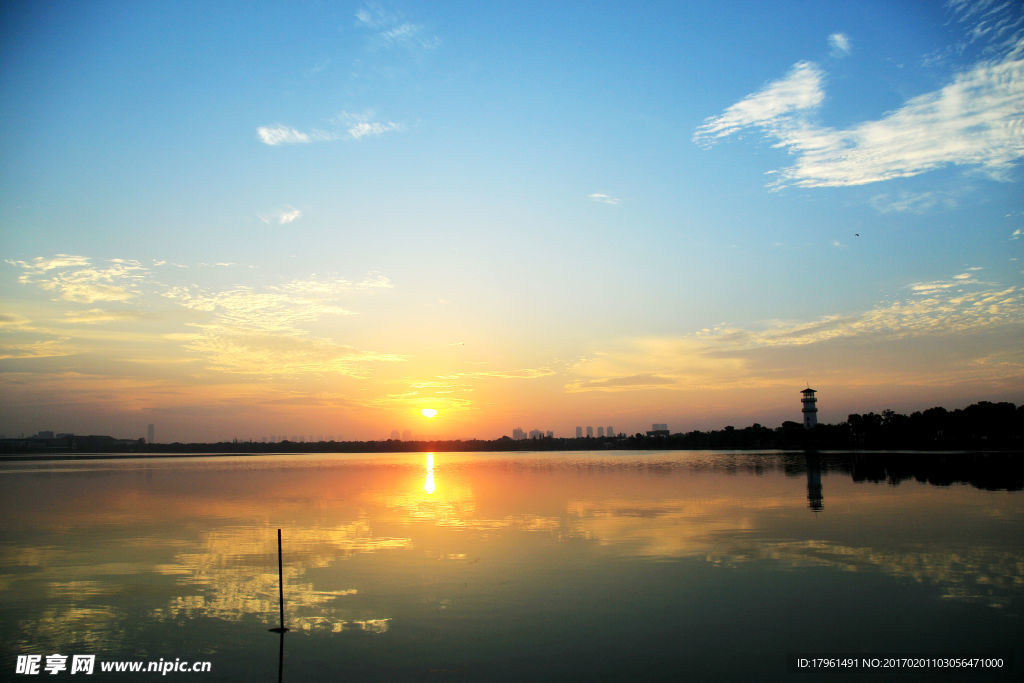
[280,584]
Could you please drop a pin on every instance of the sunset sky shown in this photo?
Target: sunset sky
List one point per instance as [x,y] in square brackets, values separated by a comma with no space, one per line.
[316,219]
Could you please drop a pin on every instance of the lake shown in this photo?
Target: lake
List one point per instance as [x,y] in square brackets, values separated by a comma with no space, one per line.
[492,566]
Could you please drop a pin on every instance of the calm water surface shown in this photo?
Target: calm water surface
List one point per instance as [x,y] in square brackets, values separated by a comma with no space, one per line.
[709,566]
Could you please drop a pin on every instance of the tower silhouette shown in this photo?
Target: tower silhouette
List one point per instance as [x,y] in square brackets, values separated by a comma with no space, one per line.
[810,409]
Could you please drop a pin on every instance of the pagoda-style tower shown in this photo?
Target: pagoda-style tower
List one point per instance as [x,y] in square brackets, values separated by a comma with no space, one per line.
[810,408]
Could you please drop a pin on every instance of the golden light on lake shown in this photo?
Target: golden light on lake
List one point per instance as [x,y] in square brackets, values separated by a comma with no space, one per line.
[428,484]
[428,412]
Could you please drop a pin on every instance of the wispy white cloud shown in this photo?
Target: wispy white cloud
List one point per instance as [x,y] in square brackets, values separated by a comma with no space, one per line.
[251,352]
[11,321]
[278,308]
[95,316]
[50,348]
[347,126]
[602,198]
[278,134]
[728,356]
[262,331]
[444,395]
[1017,234]
[390,28]
[358,125]
[334,287]
[74,278]
[288,216]
[524,373]
[363,129]
[911,202]
[936,286]
[998,24]
[839,45]
[976,120]
[42,264]
[771,107]
[374,16]
[282,216]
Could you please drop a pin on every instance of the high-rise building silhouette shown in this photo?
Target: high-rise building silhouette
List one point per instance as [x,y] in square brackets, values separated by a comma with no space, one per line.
[600,432]
[590,432]
[810,409]
[150,433]
[659,429]
[609,431]
[579,432]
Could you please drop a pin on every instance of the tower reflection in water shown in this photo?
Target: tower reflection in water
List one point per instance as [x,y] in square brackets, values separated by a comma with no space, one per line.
[815,499]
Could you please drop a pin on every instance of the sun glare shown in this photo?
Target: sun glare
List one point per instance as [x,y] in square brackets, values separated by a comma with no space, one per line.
[428,412]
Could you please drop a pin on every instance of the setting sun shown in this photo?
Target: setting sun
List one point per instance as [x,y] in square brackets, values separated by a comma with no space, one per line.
[428,412]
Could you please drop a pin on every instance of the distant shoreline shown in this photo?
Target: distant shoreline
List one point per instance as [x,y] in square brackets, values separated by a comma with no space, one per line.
[983,426]
[145,455]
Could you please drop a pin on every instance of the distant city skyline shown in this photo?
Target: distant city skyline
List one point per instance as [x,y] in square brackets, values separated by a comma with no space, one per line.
[457,219]
[979,422]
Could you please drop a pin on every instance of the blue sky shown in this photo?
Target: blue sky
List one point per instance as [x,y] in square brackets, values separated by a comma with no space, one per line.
[326,216]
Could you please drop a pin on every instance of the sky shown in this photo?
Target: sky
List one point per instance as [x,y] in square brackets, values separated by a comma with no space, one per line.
[316,219]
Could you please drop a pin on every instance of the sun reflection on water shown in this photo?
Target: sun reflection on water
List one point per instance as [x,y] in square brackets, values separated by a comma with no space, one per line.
[361,535]
[428,485]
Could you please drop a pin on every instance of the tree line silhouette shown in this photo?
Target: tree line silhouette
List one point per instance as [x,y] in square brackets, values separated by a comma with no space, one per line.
[984,425]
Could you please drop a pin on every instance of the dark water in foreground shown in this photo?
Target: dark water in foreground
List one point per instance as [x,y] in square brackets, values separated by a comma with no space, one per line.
[552,566]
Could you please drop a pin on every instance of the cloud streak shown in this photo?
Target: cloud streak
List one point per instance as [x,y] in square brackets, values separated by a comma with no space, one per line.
[361,125]
[278,308]
[727,356]
[602,198]
[95,316]
[348,126]
[910,202]
[771,107]
[977,120]
[279,134]
[259,331]
[282,216]
[49,348]
[525,373]
[839,45]
[390,29]
[998,24]
[74,278]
